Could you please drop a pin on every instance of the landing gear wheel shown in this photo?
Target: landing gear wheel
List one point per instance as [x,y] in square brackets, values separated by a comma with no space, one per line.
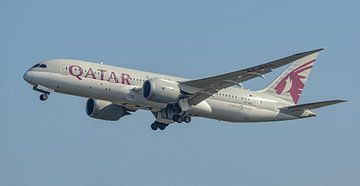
[44,97]
[162,126]
[178,118]
[187,119]
[154,126]
[157,125]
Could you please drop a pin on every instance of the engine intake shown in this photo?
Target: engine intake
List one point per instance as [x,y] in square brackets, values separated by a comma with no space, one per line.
[105,110]
[161,90]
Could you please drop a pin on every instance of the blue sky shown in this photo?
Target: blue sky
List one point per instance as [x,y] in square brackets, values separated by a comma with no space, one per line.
[56,143]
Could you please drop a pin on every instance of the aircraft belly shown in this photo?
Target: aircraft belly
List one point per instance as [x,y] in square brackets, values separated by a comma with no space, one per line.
[202,109]
[235,112]
[226,111]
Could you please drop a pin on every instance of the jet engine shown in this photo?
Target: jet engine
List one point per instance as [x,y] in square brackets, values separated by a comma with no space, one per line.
[105,110]
[161,90]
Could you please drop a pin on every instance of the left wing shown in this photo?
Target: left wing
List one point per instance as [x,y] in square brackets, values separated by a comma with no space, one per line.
[201,89]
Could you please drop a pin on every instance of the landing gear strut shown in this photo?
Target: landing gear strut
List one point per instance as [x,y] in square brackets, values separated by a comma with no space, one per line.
[157,125]
[44,97]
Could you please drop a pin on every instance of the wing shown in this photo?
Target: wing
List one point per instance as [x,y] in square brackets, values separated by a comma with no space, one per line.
[201,89]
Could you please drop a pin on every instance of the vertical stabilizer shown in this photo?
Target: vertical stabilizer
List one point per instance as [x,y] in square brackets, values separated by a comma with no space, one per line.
[290,84]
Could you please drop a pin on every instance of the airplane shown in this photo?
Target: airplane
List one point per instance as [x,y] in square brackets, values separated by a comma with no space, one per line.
[115,92]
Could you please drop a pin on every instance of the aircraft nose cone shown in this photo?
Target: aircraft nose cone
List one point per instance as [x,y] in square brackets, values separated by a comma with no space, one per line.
[28,77]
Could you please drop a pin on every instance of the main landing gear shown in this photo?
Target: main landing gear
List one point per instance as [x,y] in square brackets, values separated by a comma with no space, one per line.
[172,113]
[44,97]
[157,125]
[179,119]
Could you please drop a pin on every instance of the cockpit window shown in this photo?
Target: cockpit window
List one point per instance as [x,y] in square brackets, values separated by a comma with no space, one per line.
[35,66]
[42,66]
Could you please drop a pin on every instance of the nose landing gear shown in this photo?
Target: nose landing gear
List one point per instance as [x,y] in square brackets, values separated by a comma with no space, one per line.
[44,90]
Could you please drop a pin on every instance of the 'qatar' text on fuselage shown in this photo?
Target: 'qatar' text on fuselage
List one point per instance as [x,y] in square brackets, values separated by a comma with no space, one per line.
[78,72]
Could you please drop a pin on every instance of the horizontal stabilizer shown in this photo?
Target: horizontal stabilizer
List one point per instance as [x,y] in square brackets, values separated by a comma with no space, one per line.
[309,106]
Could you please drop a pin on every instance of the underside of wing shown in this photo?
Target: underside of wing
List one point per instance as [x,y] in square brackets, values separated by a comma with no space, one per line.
[200,89]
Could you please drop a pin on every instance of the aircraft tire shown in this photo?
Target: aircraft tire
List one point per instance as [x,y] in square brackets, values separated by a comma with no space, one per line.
[177,118]
[162,126]
[187,119]
[43,97]
[154,126]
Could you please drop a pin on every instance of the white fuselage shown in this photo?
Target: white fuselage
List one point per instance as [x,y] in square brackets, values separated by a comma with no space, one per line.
[122,86]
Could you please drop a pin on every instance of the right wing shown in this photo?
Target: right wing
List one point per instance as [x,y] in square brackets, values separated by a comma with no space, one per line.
[200,89]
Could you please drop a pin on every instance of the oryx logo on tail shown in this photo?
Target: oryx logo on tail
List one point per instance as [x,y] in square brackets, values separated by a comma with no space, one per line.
[292,83]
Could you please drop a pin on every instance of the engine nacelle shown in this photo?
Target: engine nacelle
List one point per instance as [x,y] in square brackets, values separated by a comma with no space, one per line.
[161,90]
[105,110]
